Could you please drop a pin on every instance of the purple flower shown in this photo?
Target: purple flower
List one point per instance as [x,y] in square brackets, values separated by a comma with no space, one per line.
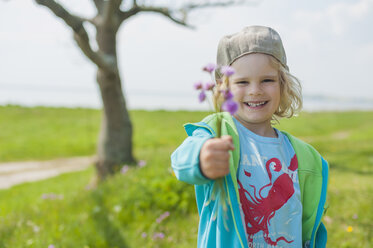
[162,217]
[51,196]
[202,96]
[198,85]
[228,95]
[227,71]
[51,246]
[209,86]
[158,235]
[124,169]
[141,163]
[144,235]
[230,106]
[210,67]
[89,187]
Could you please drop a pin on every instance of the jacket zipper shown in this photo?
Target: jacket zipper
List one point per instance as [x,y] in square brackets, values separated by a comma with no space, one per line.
[234,219]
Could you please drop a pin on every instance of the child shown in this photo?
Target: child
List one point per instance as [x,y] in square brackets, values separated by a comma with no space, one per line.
[275,184]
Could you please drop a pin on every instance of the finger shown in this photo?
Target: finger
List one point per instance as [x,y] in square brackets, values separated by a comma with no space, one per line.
[221,155]
[222,170]
[227,137]
[228,141]
[211,158]
[217,169]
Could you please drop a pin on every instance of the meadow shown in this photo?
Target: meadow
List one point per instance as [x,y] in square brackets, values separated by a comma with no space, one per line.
[147,206]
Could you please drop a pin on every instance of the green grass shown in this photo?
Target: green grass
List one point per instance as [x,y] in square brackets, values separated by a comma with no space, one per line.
[120,210]
[45,133]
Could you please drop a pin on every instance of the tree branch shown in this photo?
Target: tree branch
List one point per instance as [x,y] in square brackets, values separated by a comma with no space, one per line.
[98,4]
[181,12]
[110,8]
[208,4]
[161,10]
[80,34]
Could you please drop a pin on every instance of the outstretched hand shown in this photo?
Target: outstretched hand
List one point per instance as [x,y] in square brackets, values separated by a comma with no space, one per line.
[214,157]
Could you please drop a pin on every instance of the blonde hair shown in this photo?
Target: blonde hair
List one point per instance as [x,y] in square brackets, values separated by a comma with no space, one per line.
[291,101]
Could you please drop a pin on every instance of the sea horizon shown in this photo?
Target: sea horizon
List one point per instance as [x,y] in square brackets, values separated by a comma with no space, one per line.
[150,100]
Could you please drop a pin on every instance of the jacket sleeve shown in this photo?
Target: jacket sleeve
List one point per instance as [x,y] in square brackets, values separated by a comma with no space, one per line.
[185,159]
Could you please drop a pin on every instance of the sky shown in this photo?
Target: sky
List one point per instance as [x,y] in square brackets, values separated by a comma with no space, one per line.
[329,46]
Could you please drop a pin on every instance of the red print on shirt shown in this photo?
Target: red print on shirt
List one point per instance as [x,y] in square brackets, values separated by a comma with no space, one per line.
[260,210]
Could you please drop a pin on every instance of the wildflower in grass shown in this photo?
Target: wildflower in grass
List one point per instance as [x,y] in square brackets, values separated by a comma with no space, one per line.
[51,246]
[328,220]
[45,196]
[62,227]
[89,187]
[124,169]
[349,229]
[96,209]
[52,196]
[355,217]
[159,235]
[36,229]
[141,163]
[171,171]
[162,217]
[144,235]
[117,208]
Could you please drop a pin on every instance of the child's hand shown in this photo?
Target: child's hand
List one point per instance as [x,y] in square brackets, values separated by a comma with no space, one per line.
[214,157]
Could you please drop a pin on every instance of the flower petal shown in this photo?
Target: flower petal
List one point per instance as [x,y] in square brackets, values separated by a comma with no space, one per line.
[202,96]
[198,85]
[228,95]
[227,71]
[230,106]
[210,67]
[209,86]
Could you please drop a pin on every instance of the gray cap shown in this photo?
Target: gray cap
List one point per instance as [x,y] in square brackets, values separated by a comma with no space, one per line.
[252,39]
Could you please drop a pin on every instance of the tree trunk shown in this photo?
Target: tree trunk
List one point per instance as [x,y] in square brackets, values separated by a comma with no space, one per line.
[115,138]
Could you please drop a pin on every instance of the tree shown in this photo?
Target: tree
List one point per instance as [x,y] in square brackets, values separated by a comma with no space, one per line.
[115,137]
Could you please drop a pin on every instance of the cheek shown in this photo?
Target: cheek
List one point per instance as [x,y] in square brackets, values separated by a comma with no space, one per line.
[278,97]
[237,93]
[275,92]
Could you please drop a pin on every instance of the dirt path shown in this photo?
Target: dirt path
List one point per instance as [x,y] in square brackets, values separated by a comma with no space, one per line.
[19,172]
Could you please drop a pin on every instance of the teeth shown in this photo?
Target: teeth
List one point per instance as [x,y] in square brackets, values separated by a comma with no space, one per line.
[255,104]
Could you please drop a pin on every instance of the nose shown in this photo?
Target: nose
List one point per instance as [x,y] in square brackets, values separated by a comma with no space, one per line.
[255,89]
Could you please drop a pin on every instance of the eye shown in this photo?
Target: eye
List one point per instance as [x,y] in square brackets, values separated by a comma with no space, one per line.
[268,80]
[242,82]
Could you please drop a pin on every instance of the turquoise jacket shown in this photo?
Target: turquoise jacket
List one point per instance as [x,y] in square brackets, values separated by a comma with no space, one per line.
[313,181]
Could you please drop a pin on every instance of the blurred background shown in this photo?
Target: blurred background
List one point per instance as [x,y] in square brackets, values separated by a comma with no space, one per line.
[51,113]
[329,46]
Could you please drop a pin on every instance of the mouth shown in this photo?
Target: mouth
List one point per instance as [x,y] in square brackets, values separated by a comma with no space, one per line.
[255,104]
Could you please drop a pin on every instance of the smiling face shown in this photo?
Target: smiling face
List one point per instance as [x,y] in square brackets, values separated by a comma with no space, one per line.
[256,88]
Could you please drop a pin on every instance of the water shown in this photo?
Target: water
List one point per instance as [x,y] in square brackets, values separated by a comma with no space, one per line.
[150,100]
